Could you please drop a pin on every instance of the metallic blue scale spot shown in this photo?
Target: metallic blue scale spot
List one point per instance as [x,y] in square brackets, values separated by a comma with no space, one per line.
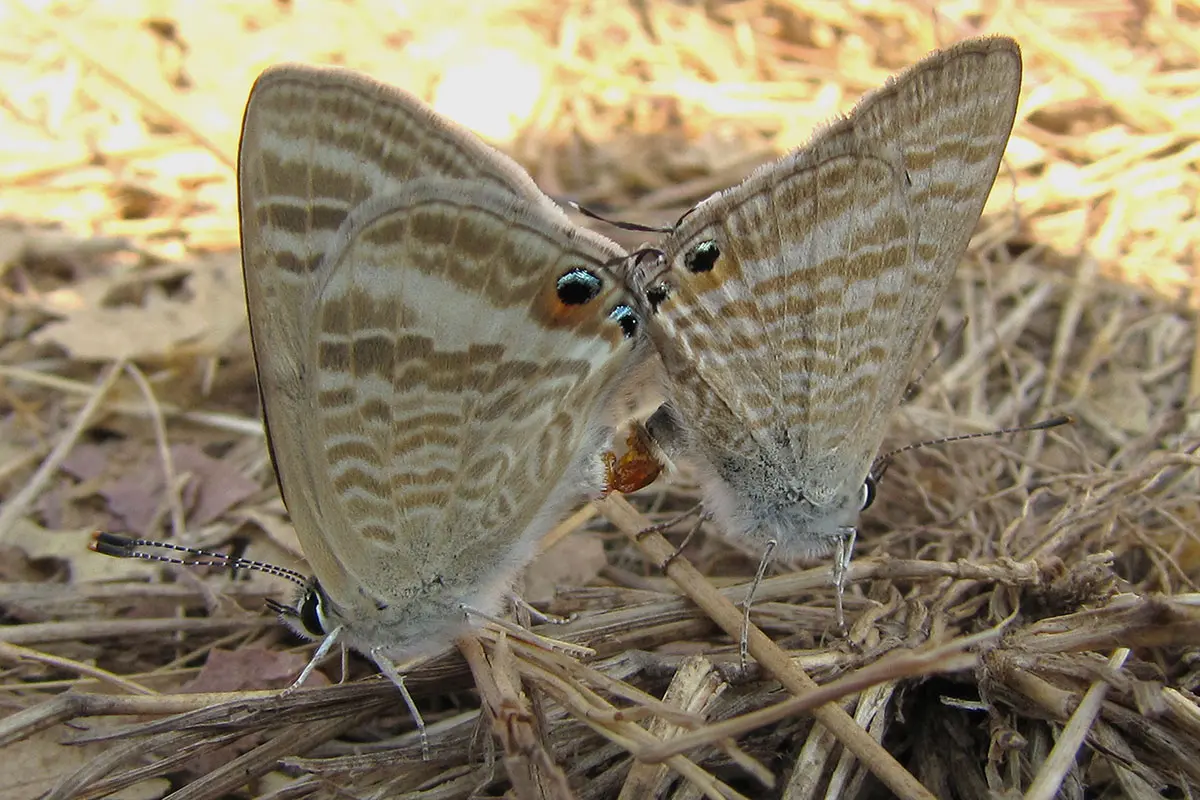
[628,320]
[578,287]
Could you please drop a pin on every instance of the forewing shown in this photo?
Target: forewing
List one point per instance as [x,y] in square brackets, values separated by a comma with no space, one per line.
[316,143]
[796,345]
[318,147]
[454,394]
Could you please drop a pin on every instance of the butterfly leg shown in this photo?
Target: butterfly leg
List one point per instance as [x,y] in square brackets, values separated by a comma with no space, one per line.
[841,565]
[664,436]
[536,615]
[701,517]
[660,527]
[744,644]
[322,651]
[388,668]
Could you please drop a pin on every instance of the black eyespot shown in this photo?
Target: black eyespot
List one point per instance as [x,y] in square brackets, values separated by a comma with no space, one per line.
[702,257]
[578,287]
[868,493]
[656,296]
[624,316]
[309,611]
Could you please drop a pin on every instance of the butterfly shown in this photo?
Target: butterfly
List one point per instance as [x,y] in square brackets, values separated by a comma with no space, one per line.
[443,357]
[789,311]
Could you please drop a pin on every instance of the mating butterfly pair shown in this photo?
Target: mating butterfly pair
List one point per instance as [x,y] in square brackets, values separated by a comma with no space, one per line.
[445,360]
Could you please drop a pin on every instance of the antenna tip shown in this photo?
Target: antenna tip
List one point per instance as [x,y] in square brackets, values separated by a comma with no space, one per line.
[112,544]
[1053,422]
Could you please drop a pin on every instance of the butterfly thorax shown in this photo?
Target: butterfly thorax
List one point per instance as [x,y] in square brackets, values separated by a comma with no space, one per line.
[761,503]
[402,627]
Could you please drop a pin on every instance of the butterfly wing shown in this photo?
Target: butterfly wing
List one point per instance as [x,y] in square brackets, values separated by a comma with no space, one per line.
[316,143]
[437,347]
[791,308]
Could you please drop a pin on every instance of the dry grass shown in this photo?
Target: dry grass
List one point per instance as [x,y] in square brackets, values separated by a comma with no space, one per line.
[1024,610]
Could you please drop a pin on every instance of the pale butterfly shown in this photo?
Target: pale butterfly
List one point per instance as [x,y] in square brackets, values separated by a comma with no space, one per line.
[443,357]
[789,310]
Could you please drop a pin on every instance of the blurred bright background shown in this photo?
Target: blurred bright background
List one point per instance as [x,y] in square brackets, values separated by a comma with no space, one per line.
[119,123]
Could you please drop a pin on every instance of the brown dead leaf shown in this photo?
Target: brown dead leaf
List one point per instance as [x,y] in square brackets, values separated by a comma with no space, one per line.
[250,668]
[71,548]
[1116,400]
[213,489]
[38,762]
[244,669]
[137,496]
[574,561]
[278,529]
[98,324]
[87,461]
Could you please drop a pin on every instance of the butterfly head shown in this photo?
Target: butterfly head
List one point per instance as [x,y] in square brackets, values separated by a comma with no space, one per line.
[311,616]
[771,507]
[759,484]
[420,620]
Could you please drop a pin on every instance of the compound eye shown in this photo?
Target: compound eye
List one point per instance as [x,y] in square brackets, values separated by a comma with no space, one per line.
[311,611]
[868,493]
[656,296]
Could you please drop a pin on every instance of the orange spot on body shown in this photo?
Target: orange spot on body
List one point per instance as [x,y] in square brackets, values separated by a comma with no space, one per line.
[635,469]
